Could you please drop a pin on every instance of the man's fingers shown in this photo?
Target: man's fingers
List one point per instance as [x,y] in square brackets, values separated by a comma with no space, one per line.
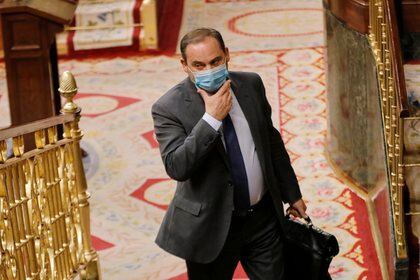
[300,208]
[302,213]
[293,212]
[227,96]
[225,88]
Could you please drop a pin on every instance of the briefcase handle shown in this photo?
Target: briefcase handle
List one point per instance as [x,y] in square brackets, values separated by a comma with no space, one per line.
[307,219]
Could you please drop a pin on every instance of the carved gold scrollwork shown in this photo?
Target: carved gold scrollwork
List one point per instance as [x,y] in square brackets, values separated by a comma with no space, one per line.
[44,209]
[7,246]
[10,266]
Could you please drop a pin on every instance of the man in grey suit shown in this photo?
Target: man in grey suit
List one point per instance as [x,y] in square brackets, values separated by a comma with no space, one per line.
[218,141]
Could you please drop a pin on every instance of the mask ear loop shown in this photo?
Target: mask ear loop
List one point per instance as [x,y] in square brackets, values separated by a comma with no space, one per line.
[192,77]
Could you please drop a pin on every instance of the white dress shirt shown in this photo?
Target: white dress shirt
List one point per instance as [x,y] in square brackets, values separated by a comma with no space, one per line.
[247,146]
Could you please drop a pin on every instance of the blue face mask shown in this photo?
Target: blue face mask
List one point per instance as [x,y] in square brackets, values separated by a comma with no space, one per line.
[211,80]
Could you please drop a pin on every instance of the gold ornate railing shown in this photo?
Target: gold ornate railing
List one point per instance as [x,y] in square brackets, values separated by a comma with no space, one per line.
[384,39]
[44,208]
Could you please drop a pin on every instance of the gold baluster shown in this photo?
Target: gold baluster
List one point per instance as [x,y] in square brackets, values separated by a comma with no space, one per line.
[65,208]
[45,244]
[12,183]
[380,39]
[402,249]
[40,139]
[54,216]
[18,146]
[3,151]
[52,135]
[68,89]
[65,204]
[33,218]
[26,231]
[51,230]
[60,215]
[74,225]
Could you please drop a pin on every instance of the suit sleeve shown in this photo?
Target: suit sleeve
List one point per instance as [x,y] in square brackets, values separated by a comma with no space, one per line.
[181,153]
[283,169]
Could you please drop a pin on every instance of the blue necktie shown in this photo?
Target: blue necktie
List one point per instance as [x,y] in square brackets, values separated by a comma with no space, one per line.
[240,181]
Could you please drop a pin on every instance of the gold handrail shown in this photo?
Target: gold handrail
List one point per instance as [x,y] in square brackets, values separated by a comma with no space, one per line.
[382,36]
[34,126]
[44,208]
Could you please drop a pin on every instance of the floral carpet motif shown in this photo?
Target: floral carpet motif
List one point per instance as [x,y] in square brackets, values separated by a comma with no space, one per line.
[129,187]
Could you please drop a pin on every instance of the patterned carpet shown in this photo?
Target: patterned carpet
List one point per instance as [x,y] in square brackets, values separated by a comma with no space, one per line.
[283,42]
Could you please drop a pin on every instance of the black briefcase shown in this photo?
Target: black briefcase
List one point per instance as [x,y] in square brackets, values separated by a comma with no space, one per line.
[308,250]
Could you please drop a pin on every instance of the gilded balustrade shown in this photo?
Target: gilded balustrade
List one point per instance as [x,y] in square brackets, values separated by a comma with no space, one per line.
[44,208]
[382,30]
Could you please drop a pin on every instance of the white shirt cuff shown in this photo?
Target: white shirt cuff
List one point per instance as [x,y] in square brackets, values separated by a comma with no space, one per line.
[216,124]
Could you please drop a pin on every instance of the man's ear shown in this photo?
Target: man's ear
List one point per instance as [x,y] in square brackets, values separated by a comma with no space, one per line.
[227,54]
[184,65]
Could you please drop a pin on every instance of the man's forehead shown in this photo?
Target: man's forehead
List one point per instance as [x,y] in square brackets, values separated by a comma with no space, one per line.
[206,49]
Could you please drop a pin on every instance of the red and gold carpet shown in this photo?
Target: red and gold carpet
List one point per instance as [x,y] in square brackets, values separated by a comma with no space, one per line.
[283,42]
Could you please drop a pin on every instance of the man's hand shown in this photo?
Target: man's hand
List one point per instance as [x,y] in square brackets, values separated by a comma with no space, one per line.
[218,105]
[298,209]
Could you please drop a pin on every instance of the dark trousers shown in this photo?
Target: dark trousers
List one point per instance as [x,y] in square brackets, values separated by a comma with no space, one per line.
[254,239]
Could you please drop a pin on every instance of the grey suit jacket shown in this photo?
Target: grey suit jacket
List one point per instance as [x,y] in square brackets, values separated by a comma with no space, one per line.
[196,224]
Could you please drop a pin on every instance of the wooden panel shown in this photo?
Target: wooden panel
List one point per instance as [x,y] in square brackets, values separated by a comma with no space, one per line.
[1,42]
[59,11]
[411,15]
[25,34]
[31,97]
[27,43]
[354,13]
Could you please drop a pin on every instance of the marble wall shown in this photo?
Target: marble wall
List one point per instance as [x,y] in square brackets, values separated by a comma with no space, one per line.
[355,140]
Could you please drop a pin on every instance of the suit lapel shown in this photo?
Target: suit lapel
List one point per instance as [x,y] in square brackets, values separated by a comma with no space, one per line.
[194,103]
